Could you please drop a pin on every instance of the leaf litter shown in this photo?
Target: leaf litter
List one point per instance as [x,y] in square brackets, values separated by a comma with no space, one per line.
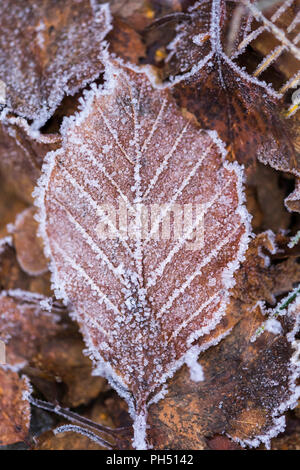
[178,403]
[129,282]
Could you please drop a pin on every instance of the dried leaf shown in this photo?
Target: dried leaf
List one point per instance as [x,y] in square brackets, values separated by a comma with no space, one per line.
[20,160]
[125,42]
[65,441]
[269,188]
[14,408]
[248,386]
[105,414]
[48,50]
[24,326]
[258,279]
[141,299]
[28,246]
[60,360]
[13,277]
[48,347]
[10,206]
[242,108]
[140,13]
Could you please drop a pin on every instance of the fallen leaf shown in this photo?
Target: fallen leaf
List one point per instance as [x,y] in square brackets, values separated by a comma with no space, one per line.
[10,206]
[48,348]
[29,247]
[13,277]
[60,359]
[49,50]
[258,278]
[128,288]
[247,387]
[14,408]
[24,326]
[21,160]
[125,42]
[242,108]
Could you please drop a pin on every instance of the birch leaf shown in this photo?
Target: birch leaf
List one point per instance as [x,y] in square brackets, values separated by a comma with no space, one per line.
[144,222]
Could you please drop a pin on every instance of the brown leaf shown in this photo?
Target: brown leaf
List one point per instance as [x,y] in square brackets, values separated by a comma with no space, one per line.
[28,245]
[112,413]
[293,200]
[259,279]
[10,206]
[266,192]
[24,326]
[125,42]
[222,96]
[60,360]
[139,14]
[48,347]
[20,160]
[14,408]
[65,441]
[13,277]
[47,50]
[140,299]
[247,387]
[291,438]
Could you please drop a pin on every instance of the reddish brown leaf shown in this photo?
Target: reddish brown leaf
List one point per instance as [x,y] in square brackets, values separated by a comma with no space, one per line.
[126,42]
[48,347]
[47,50]
[20,160]
[24,326]
[14,408]
[259,279]
[60,360]
[28,245]
[247,387]
[222,96]
[10,206]
[141,299]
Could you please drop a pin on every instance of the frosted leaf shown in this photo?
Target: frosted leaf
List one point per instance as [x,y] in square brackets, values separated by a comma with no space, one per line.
[138,210]
[247,389]
[48,50]
[223,96]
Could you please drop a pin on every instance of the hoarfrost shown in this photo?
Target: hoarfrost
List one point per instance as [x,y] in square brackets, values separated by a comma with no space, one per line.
[39,64]
[140,294]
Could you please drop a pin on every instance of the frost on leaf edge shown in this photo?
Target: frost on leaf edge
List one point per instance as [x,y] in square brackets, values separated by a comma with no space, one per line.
[102,367]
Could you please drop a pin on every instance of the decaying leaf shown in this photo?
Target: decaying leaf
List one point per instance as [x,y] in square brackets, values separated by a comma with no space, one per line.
[14,407]
[141,211]
[48,50]
[28,246]
[249,383]
[47,347]
[13,277]
[142,297]
[20,160]
[24,326]
[125,42]
[10,206]
[208,83]
[60,360]
[258,278]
